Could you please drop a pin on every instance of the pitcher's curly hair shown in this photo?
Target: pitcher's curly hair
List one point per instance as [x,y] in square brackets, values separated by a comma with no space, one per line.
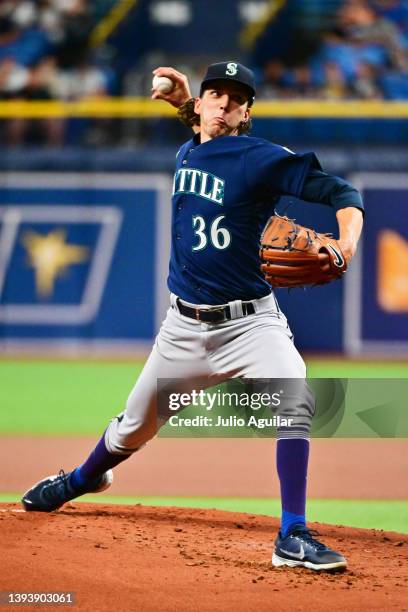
[187,116]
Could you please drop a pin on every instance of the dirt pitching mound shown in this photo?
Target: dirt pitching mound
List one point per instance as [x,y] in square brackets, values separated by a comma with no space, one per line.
[141,558]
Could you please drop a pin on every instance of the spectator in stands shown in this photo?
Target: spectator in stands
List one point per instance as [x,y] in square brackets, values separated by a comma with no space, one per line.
[334,84]
[378,56]
[378,39]
[25,55]
[79,81]
[395,11]
[44,55]
[21,52]
[346,72]
[76,75]
[363,56]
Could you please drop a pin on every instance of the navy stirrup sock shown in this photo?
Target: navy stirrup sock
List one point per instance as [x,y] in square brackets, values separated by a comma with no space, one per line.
[292,457]
[99,461]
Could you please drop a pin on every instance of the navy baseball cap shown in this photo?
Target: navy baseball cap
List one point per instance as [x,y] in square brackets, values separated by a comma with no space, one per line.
[230,71]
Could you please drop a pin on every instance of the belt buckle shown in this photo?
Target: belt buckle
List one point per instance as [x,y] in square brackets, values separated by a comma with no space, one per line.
[220,309]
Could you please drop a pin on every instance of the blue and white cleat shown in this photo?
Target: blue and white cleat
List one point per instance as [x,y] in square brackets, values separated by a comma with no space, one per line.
[51,493]
[300,549]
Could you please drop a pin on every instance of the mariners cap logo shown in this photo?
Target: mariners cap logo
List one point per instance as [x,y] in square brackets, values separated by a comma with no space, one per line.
[232,69]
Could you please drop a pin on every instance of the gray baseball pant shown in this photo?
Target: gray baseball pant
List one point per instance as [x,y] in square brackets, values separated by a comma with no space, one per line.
[258,346]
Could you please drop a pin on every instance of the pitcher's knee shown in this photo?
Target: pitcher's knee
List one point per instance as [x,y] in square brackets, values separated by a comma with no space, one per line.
[126,435]
[296,411]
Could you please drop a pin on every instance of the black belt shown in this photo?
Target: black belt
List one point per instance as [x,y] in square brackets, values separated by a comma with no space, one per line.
[213,314]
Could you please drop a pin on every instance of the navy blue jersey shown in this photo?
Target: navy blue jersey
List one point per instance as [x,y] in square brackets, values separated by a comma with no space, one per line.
[224,191]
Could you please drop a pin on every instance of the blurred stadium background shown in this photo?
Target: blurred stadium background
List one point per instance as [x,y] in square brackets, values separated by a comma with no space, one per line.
[86,162]
[86,159]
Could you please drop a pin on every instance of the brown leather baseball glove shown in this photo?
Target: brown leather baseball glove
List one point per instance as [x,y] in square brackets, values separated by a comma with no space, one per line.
[295,256]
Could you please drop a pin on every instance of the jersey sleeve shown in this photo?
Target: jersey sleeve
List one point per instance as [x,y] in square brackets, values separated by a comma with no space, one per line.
[330,190]
[274,170]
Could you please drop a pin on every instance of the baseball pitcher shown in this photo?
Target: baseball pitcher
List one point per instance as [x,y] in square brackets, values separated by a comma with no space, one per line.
[224,320]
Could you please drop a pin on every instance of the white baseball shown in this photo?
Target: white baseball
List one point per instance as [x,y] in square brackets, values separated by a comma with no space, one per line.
[162,84]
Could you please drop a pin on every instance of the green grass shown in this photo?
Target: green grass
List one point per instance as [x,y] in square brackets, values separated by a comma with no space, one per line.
[78,398]
[68,398]
[338,368]
[368,514]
